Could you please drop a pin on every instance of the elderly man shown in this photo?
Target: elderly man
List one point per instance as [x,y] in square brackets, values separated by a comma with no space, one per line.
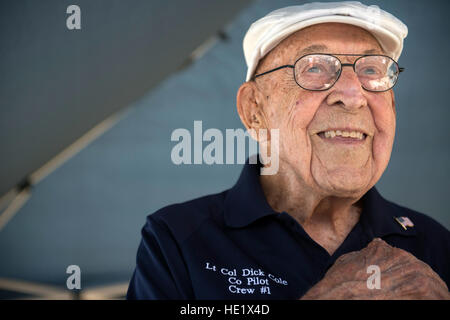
[322,74]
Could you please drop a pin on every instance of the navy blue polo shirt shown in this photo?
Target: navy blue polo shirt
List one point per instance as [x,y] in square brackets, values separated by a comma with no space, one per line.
[233,245]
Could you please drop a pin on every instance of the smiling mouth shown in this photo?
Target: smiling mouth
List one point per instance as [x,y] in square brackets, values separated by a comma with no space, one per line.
[349,136]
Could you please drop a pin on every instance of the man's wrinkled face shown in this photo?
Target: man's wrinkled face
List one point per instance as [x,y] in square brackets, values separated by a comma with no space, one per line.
[338,141]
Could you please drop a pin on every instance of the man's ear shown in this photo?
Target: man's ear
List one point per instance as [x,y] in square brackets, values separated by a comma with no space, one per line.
[249,102]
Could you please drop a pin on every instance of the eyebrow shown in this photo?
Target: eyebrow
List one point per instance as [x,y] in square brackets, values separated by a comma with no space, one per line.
[314,48]
[321,48]
[372,51]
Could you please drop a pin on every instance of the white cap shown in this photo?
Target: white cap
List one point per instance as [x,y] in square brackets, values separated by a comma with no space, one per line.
[266,33]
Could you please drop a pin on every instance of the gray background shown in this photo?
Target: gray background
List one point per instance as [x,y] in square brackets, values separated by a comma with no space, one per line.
[56,84]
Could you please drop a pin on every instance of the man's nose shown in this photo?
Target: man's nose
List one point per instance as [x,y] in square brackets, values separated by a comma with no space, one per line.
[347,91]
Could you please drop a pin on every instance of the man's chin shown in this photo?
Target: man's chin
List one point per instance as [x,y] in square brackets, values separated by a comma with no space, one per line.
[345,185]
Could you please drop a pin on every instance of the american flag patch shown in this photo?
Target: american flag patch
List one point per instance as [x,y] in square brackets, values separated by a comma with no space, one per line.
[405,222]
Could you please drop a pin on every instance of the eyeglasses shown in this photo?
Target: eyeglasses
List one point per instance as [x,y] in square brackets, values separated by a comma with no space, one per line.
[319,72]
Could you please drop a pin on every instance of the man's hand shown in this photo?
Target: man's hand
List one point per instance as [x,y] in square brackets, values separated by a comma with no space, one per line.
[403,276]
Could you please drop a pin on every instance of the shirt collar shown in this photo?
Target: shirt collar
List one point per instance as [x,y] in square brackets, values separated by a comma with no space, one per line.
[245,203]
[378,216]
